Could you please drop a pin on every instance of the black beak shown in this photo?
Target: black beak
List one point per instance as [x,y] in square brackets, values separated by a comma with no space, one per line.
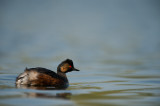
[75,69]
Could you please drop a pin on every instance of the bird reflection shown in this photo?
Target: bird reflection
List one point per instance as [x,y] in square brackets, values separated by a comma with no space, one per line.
[50,96]
[63,95]
[39,87]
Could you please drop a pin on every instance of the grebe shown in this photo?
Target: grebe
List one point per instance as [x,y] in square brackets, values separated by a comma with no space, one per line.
[45,77]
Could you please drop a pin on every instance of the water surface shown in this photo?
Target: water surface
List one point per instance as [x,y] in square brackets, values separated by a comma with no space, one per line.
[110,84]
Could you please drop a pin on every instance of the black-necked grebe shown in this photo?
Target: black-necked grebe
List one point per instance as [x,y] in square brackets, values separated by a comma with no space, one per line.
[45,77]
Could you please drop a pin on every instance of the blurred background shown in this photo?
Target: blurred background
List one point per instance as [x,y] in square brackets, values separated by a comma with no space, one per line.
[84,30]
[97,34]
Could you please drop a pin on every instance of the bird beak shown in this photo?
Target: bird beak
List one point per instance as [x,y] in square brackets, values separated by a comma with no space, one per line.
[75,69]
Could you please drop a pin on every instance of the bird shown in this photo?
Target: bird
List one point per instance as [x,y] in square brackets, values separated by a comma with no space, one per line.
[44,77]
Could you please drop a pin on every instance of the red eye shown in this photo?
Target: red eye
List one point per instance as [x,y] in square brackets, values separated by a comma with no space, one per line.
[70,66]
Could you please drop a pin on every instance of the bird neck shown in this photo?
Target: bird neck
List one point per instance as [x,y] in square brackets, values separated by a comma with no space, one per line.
[62,74]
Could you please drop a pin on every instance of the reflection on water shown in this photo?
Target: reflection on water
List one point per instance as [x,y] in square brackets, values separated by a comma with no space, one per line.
[38,87]
[50,96]
[44,95]
[34,87]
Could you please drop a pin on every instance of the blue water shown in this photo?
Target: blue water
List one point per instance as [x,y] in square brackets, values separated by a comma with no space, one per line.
[115,44]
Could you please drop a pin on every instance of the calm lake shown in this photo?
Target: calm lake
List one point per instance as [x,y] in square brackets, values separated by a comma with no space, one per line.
[115,44]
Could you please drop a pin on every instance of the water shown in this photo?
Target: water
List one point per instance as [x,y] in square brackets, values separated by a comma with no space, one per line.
[115,44]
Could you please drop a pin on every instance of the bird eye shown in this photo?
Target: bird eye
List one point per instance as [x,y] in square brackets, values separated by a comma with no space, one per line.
[70,66]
